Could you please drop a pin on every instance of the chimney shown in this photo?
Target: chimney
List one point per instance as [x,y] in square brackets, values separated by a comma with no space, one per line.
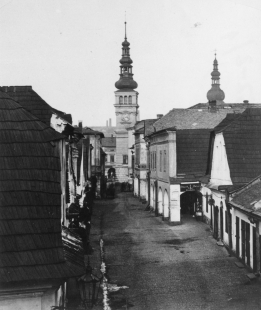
[246,101]
[80,124]
[159,116]
[110,122]
[106,123]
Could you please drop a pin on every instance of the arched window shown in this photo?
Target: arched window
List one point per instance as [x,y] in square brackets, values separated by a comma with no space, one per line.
[125,100]
[130,99]
[121,100]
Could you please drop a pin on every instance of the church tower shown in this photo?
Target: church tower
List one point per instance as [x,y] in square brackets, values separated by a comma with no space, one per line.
[127,112]
[215,94]
[126,98]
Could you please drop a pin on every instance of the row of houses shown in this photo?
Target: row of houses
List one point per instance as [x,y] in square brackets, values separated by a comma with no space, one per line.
[205,161]
[48,169]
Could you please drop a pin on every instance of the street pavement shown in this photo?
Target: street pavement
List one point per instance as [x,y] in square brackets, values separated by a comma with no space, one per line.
[165,267]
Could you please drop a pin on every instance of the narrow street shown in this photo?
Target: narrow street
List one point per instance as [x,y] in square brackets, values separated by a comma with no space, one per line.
[167,267]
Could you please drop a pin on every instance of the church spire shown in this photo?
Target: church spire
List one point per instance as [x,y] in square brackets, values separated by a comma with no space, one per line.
[126,81]
[215,93]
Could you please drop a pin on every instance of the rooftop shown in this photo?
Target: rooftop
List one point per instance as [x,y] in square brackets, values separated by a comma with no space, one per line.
[33,103]
[31,243]
[247,197]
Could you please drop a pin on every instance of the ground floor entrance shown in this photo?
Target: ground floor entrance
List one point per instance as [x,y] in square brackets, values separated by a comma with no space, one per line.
[190,202]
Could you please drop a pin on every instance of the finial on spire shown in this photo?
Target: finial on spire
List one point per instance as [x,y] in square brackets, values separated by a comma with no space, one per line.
[125,27]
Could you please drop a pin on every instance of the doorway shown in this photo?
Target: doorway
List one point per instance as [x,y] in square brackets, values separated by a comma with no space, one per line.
[189,201]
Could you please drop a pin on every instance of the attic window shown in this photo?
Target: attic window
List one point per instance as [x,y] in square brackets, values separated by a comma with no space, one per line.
[194,124]
[200,110]
[227,107]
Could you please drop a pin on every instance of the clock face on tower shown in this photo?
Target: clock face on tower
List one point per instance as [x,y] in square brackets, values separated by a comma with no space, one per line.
[125,117]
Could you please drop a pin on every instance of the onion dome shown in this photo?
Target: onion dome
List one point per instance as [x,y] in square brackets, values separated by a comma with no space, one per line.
[215,93]
[126,76]
[125,43]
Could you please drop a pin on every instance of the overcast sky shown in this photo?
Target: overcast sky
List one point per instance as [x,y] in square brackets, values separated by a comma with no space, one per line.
[69,51]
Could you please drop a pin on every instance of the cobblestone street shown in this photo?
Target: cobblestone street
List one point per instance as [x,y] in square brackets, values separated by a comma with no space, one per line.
[167,267]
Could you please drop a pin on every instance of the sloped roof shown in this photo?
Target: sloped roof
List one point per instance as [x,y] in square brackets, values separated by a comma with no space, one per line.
[226,121]
[108,131]
[90,131]
[148,126]
[109,142]
[240,107]
[246,197]
[243,146]
[31,244]
[190,119]
[192,151]
[33,103]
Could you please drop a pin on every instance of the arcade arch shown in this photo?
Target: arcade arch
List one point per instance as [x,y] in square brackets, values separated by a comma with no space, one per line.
[166,205]
[160,202]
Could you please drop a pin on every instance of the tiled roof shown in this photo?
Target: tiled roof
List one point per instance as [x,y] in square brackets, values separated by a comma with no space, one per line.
[31,244]
[192,155]
[148,128]
[247,197]
[192,151]
[90,131]
[33,103]
[243,146]
[226,121]
[191,119]
[240,107]
[108,131]
[109,142]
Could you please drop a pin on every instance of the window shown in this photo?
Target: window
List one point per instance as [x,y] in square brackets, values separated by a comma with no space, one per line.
[106,158]
[125,100]
[130,100]
[155,164]
[160,161]
[165,161]
[121,100]
[112,158]
[125,159]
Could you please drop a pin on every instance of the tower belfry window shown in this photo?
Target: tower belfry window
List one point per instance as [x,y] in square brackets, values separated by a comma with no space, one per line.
[125,100]
[130,100]
[121,100]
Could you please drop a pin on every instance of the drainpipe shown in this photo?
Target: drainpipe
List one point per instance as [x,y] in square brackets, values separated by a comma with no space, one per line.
[156,198]
[148,174]
[257,248]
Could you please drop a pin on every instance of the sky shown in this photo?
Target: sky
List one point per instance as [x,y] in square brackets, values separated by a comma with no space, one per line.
[69,51]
